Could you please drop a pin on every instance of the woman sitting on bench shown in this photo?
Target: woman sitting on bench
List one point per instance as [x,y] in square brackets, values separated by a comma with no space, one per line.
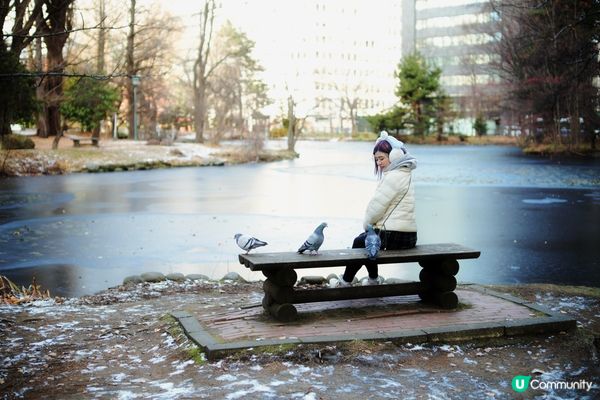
[391,210]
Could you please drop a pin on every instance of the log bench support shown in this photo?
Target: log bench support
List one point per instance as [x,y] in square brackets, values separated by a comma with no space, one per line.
[436,285]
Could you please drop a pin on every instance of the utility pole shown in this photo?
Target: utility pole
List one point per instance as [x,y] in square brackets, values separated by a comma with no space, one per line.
[135,82]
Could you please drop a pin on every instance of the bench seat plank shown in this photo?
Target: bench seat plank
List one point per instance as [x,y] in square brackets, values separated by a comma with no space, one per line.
[333,258]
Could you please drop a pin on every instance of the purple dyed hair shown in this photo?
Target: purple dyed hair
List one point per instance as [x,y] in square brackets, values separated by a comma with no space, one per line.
[383,146]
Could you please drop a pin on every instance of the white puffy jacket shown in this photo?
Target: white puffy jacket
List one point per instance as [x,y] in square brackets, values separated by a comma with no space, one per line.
[394,189]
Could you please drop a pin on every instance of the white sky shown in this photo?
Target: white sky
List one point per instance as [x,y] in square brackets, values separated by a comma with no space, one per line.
[279,26]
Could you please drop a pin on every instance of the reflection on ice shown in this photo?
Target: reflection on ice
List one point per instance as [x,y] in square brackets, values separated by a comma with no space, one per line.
[545,200]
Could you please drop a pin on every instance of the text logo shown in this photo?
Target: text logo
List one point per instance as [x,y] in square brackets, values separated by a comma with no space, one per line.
[520,383]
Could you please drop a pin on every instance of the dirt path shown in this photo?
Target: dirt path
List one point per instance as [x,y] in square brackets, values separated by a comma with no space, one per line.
[121,344]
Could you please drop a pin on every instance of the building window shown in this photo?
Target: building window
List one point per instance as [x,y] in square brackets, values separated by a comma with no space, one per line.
[428,4]
[457,20]
[468,80]
[459,40]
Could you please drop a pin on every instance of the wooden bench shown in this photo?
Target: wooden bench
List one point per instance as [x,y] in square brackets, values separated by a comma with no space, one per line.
[78,139]
[436,280]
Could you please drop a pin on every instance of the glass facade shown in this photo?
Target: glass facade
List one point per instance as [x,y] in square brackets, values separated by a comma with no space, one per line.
[458,37]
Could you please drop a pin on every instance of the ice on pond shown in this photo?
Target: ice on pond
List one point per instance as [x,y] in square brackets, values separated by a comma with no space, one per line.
[545,200]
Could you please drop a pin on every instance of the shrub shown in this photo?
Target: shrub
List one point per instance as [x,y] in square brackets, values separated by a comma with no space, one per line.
[122,134]
[480,126]
[88,101]
[278,132]
[17,142]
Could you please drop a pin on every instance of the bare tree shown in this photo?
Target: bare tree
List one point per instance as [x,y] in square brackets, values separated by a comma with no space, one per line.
[148,55]
[206,63]
[230,83]
[549,58]
[295,123]
[102,32]
[349,102]
[293,131]
[55,27]
[22,14]
[40,92]
[131,69]
[201,71]
[225,95]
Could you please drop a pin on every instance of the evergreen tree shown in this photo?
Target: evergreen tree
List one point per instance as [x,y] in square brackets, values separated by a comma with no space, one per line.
[88,101]
[17,96]
[418,87]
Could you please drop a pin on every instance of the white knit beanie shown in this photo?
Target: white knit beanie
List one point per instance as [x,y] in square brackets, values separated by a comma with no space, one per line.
[398,148]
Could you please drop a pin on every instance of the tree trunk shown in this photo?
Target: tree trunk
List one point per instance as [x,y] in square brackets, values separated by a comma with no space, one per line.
[199,111]
[575,124]
[416,106]
[4,124]
[200,71]
[42,129]
[152,118]
[53,85]
[55,28]
[101,37]
[58,136]
[291,125]
[100,50]
[131,71]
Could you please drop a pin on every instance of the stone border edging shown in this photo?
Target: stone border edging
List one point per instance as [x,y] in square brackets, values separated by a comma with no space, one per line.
[550,323]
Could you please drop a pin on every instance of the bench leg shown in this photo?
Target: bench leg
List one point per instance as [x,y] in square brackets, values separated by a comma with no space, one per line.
[76,143]
[267,301]
[282,277]
[439,278]
[283,312]
[278,293]
[446,300]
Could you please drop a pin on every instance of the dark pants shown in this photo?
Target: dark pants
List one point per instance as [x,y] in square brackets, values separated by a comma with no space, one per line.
[390,240]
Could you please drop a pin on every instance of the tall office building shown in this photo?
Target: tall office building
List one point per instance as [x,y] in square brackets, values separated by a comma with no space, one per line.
[335,58]
[456,35]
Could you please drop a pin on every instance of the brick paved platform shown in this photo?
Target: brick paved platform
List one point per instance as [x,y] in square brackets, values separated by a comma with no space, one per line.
[481,313]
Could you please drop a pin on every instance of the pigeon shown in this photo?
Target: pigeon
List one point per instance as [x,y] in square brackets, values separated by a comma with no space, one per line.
[314,241]
[372,243]
[248,242]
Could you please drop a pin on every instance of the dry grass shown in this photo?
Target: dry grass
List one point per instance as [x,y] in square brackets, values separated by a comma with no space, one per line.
[241,156]
[460,139]
[544,149]
[10,293]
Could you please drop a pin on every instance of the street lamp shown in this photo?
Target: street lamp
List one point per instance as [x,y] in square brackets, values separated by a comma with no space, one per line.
[135,82]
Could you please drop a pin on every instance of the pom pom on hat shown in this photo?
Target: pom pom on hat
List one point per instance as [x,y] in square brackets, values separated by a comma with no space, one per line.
[397,144]
[398,148]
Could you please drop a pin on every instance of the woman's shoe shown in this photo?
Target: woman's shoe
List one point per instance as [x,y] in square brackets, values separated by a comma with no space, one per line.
[338,282]
[377,281]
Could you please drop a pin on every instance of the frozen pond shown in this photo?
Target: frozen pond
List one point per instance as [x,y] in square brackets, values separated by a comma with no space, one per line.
[534,220]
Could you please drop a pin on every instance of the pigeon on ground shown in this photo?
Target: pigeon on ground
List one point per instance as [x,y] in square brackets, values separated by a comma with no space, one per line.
[372,243]
[314,241]
[248,242]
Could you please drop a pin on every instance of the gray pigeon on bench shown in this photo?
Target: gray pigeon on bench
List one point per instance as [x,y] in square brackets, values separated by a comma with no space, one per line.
[314,241]
[372,243]
[248,242]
